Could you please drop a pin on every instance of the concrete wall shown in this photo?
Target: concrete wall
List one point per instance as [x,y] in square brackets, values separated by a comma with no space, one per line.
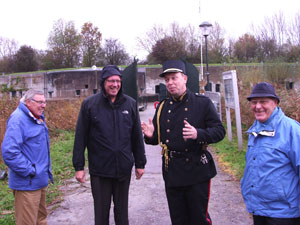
[71,84]
[18,84]
[152,77]
[85,82]
[57,84]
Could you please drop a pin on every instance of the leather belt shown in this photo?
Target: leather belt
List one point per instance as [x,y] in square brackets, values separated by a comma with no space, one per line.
[176,154]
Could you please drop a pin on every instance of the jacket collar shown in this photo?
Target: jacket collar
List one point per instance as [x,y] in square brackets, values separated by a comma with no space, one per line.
[27,112]
[119,99]
[267,128]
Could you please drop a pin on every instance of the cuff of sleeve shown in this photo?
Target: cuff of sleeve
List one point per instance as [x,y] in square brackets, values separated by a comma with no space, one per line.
[139,167]
[78,168]
[199,139]
[33,171]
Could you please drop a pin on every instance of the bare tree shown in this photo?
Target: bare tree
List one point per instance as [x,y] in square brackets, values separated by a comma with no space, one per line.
[183,42]
[217,47]
[114,53]
[155,34]
[193,44]
[171,41]
[274,31]
[293,31]
[230,49]
[177,32]
[7,47]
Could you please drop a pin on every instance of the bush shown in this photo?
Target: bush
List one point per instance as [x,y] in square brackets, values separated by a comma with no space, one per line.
[59,114]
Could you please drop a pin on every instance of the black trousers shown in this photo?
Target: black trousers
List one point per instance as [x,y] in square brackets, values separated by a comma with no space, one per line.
[188,205]
[105,189]
[263,220]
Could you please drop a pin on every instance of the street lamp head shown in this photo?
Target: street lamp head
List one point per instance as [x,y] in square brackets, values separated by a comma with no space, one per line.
[205,28]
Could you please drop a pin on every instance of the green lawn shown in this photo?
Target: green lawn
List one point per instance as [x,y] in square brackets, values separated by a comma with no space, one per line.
[230,157]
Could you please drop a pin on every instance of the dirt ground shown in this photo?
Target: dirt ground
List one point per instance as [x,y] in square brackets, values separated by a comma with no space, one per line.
[147,200]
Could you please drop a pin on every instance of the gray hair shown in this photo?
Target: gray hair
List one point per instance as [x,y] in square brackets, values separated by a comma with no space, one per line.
[30,94]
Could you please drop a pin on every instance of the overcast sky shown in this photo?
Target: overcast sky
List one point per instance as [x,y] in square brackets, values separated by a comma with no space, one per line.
[30,21]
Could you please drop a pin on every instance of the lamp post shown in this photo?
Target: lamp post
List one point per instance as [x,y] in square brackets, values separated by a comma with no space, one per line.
[206,28]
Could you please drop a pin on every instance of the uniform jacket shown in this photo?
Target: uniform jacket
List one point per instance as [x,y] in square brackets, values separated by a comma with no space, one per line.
[271,184]
[25,150]
[112,134]
[188,168]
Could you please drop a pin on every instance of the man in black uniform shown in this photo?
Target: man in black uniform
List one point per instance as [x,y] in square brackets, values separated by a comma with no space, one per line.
[184,124]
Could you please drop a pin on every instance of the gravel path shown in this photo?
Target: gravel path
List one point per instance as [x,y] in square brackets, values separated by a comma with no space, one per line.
[147,201]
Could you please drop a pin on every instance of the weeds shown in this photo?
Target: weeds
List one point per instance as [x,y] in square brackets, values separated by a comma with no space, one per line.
[230,158]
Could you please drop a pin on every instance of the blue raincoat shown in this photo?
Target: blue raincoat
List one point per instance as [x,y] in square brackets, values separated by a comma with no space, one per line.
[25,150]
[271,184]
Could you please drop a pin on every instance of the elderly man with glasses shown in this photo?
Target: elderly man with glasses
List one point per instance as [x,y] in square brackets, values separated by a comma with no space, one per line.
[25,150]
[271,181]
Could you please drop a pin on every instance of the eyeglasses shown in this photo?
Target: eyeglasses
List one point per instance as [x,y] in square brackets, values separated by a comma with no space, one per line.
[261,102]
[39,102]
[113,81]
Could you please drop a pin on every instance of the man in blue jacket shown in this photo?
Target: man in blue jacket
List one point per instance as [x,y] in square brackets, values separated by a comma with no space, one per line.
[109,126]
[271,181]
[25,150]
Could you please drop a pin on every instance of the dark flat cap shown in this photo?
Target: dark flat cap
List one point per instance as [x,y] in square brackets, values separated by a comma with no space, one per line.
[110,70]
[172,66]
[263,90]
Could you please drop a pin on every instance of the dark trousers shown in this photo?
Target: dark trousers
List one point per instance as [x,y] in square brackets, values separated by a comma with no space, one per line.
[188,205]
[263,220]
[105,189]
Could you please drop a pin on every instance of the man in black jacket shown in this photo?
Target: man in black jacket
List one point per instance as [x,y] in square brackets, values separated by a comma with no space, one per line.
[184,124]
[109,126]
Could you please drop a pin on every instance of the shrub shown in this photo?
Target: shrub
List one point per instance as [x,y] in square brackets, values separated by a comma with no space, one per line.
[59,114]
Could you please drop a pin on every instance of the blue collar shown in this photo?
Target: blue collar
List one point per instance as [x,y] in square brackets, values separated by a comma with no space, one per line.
[27,112]
[267,128]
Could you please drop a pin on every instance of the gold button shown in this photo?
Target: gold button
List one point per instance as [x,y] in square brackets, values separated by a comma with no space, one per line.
[168,130]
[185,109]
[185,118]
[186,150]
[187,159]
[167,141]
[168,120]
[171,102]
[169,111]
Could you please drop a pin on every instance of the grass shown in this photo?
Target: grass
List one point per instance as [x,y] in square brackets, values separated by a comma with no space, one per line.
[231,159]
[62,169]
[61,160]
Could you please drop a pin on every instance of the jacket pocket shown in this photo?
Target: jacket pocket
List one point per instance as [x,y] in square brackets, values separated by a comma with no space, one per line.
[205,166]
[31,176]
[270,190]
